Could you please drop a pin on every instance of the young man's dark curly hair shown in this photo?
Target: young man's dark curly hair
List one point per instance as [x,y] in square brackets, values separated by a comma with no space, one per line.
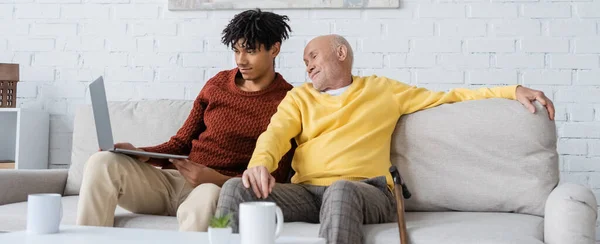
[256,27]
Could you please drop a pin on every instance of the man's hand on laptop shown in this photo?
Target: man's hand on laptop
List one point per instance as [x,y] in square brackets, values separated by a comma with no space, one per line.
[261,181]
[128,146]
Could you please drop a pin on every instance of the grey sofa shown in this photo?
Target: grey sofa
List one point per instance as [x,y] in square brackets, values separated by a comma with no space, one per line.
[480,172]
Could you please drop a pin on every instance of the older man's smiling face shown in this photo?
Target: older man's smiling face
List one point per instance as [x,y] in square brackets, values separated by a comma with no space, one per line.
[321,62]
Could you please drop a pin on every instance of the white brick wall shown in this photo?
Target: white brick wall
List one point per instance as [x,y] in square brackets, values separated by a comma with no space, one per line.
[492,77]
[6,12]
[147,52]
[401,28]
[79,43]
[102,28]
[546,77]
[465,61]
[588,10]
[589,78]
[63,59]
[155,28]
[31,44]
[544,45]
[54,30]
[85,11]
[442,10]
[578,61]
[462,28]
[581,113]
[421,60]
[103,59]
[572,147]
[130,74]
[587,45]
[492,11]
[516,27]
[437,45]
[583,94]
[573,28]
[546,10]
[138,11]
[491,45]
[526,61]
[37,11]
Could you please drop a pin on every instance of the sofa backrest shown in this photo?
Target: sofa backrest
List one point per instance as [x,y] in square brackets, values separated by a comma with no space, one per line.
[144,123]
[485,155]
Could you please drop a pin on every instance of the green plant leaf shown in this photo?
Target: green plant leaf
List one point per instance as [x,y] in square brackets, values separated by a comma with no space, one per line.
[221,221]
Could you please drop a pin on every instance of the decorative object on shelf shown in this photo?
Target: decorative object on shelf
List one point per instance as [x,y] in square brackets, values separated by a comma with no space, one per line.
[9,76]
[280,4]
[7,164]
[219,231]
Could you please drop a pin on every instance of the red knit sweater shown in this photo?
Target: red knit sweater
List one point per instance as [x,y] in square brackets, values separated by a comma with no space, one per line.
[224,124]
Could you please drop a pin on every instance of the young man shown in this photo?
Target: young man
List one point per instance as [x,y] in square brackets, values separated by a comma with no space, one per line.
[343,126]
[231,111]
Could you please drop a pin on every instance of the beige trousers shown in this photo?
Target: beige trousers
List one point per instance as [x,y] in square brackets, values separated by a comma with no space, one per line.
[110,179]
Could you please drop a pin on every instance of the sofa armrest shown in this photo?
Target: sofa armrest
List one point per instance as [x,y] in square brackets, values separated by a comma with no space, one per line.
[15,185]
[570,215]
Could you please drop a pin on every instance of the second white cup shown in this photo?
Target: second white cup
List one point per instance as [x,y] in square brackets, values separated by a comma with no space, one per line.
[260,222]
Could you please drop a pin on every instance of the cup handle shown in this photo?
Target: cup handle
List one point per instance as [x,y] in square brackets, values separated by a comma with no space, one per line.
[279,214]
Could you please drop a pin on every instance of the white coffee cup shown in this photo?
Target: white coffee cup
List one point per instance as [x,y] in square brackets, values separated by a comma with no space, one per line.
[44,213]
[257,222]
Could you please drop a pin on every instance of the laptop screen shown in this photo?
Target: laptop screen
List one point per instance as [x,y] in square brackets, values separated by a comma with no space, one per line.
[101,117]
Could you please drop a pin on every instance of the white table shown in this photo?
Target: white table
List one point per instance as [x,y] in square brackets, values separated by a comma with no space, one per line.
[92,235]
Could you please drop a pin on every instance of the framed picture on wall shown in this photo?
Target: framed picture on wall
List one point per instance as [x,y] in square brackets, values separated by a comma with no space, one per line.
[280,4]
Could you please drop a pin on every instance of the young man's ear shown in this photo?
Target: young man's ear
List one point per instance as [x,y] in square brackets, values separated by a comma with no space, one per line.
[342,52]
[275,49]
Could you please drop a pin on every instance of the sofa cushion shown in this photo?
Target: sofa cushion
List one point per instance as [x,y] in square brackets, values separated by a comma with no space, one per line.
[485,155]
[144,123]
[448,228]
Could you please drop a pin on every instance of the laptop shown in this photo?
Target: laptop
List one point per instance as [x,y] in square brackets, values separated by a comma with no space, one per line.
[103,129]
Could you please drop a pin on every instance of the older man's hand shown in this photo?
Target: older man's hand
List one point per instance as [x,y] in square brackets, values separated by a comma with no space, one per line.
[260,180]
[526,96]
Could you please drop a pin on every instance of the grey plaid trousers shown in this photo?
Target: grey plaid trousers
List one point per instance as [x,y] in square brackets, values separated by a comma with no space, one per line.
[341,208]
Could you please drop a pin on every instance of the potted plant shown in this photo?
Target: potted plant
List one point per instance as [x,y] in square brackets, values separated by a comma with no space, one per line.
[219,231]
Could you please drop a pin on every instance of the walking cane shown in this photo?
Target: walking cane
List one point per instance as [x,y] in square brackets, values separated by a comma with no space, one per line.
[400,192]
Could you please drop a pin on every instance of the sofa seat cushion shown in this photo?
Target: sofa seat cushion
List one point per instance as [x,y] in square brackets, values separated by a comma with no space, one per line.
[448,228]
[423,227]
[13,217]
[143,221]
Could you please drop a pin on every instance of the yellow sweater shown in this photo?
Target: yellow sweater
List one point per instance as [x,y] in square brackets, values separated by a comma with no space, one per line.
[348,136]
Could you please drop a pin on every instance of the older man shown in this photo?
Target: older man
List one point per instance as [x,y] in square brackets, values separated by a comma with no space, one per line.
[343,126]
